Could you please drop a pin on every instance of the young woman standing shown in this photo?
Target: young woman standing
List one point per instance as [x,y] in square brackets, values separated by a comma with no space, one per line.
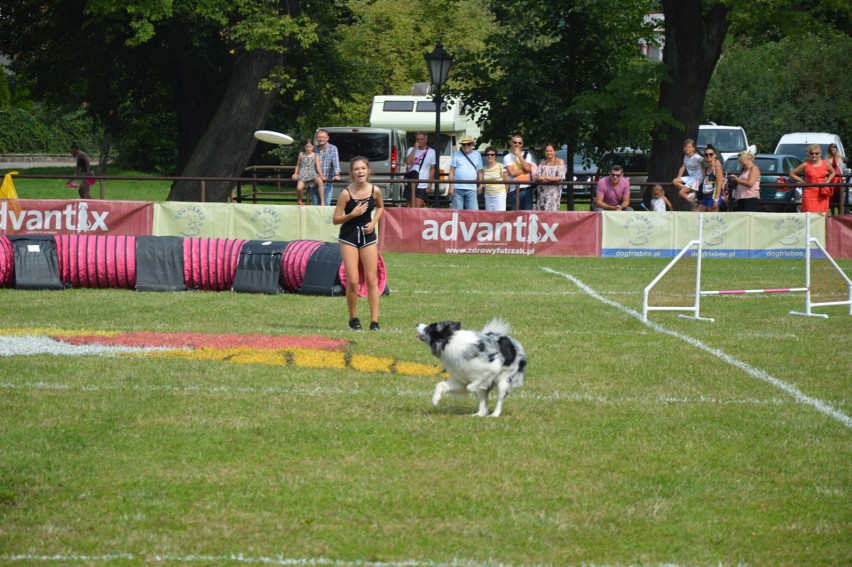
[358,239]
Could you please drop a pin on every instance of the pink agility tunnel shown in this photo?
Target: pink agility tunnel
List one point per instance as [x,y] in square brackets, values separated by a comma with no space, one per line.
[362,287]
[103,261]
[294,263]
[97,261]
[210,263]
[7,262]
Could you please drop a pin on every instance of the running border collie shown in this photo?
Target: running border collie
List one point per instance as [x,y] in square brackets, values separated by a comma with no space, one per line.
[476,361]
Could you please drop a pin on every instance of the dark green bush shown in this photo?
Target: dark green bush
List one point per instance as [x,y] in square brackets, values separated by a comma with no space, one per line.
[47,132]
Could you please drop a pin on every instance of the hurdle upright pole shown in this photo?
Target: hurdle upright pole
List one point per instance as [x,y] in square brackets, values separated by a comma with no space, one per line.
[696,307]
[807,312]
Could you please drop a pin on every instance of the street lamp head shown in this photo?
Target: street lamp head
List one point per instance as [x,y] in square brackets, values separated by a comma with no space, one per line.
[439,62]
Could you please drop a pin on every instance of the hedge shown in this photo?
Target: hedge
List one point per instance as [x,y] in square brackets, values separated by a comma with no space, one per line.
[40,132]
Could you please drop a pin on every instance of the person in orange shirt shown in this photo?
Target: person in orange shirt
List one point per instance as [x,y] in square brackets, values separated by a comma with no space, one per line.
[816,170]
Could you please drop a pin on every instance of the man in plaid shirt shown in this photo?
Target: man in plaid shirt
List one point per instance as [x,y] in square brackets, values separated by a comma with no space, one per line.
[330,165]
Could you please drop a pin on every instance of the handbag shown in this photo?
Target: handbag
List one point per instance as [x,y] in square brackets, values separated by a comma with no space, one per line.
[415,173]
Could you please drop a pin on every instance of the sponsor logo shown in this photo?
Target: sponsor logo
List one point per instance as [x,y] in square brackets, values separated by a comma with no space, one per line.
[75,217]
[639,229]
[522,229]
[791,230]
[715,230]
[267,222]
[190,220]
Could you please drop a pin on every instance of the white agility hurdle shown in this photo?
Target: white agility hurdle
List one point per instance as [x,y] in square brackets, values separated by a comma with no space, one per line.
[694,309]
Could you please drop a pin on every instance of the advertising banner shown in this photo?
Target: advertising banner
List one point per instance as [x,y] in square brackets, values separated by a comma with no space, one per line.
[784,235]
[316,223]
[192,220]
[78,216]
[725,235]
[244,221]
[265,222]
[839,236]
[527,233]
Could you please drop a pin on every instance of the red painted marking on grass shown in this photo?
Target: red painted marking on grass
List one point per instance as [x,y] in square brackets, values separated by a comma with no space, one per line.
[201,340]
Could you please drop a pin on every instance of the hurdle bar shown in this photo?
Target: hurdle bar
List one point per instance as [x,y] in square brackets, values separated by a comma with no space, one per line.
[741,291]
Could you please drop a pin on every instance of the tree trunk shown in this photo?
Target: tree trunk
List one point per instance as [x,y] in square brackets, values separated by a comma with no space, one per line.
[694,37]
[228,142]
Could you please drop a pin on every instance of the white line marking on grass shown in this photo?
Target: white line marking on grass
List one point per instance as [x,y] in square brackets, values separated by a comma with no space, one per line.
[797,394]
[507,292]
[389,392]
[26,345]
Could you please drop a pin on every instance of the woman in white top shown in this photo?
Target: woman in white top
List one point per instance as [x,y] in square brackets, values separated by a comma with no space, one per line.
[748,184]
[687,185]
[552,170]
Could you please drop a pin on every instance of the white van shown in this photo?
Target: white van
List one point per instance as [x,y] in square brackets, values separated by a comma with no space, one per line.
[384,147]
[728,140]
[795,144]
[416,113]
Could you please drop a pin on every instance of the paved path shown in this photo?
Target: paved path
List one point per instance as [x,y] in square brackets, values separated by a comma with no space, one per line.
[20,165]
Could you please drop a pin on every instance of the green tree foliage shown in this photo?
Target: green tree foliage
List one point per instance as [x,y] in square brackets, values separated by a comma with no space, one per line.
[130,60]
[50,132]
[568,71]
[790,85]
[5,94]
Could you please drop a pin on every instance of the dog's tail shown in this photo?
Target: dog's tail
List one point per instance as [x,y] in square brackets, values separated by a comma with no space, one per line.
[497,326]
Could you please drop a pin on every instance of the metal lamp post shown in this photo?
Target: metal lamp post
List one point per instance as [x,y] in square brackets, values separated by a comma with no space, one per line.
[439,62]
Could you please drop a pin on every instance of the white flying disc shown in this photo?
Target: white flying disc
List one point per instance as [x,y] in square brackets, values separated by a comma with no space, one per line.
[273,137]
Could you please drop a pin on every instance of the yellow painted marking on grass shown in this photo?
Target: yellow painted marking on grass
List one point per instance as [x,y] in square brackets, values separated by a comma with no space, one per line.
[304,357]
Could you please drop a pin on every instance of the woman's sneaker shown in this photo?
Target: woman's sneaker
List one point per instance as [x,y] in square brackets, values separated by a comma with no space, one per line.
[355,324]
[374,326]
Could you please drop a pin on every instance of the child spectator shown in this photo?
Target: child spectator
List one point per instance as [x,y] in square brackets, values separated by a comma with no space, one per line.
[308,170]
[659,202]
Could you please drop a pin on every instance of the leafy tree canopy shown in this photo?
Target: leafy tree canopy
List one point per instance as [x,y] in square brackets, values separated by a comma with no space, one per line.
[783,86]
[567,71]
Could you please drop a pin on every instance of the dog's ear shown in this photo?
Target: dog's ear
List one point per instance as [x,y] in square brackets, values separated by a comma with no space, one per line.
[454,325]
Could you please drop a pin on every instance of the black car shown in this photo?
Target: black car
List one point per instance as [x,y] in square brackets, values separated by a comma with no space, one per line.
[775,196]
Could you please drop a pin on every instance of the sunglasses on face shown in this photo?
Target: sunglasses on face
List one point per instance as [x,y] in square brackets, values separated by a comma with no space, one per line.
[814,153]
[615,174]
[490,155]
[517,143]
[709,154]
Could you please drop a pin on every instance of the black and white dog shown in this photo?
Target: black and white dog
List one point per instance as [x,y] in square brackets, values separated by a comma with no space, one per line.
[476,361]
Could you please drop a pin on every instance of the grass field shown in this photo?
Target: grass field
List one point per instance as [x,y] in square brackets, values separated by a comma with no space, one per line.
[119,190]
[676,442]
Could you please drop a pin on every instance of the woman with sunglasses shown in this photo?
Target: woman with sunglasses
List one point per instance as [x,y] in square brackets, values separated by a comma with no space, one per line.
[816,170]
[495,193]
[709,195]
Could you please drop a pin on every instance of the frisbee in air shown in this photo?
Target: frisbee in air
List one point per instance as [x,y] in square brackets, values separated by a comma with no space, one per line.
[273,137]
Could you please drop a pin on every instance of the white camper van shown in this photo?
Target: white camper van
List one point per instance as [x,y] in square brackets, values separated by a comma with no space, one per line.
[416,112]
